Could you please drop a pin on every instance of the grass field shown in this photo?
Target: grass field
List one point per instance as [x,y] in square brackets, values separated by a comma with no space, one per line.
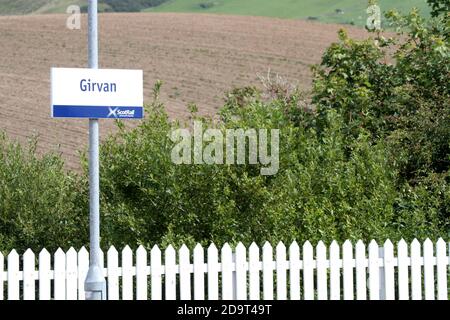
[334,11]
[19,7]
[323,10]
[23,7]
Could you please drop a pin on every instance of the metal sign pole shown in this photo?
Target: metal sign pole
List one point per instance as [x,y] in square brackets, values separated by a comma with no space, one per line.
[95,284]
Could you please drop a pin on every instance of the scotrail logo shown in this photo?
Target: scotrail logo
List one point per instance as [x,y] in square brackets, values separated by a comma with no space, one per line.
[112,112]
[117,113]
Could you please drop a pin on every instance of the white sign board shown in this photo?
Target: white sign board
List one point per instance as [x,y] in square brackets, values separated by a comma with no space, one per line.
[97,93]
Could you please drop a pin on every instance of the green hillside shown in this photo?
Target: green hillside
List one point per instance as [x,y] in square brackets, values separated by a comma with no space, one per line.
[20,7]
[337,11]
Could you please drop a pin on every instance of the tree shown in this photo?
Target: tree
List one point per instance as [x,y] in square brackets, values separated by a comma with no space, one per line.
[397,89]
[439,7]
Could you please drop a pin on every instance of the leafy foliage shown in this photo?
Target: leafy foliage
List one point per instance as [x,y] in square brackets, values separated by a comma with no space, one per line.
[40,204]
[397,89]
[366,155]
[369,159]
[439,6]
[329,186]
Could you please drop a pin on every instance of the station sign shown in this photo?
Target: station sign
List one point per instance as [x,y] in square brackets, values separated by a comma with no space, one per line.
[96,93]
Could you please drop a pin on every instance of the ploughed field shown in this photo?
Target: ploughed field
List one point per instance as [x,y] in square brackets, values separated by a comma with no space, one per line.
[198,58]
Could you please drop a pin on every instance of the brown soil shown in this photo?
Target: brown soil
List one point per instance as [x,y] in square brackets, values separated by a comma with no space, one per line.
[198,58]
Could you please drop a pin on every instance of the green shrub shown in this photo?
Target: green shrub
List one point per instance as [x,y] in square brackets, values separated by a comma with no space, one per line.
[397,90]
[328,186]
[369,159]
[41,205]
[439,7]
[367,155]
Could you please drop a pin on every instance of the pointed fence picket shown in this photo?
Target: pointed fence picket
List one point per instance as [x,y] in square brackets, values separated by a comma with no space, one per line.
[127,273]
[428,266]
[335,272]
[403,270]
[28,275]
[267,272]
[254,268]
[441,262]
[170,274]
[308,271]
[199,273]
[374,271]
[361,267]
[83,267]
[141,273]
[389,282]
[213,272]
[71,275]
[241,272]
[347,270]
[44,275]
[227,272]
[156,272]
[281,271]
[322,270]
[416,271]
[59,288]
[339,272]
[13,276]
[294,271]
[113,273]
[185,274]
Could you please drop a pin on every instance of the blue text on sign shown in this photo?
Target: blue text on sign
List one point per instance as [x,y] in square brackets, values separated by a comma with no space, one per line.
[87,85]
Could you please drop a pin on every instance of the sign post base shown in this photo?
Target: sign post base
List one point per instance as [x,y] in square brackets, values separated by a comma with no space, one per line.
[95,284]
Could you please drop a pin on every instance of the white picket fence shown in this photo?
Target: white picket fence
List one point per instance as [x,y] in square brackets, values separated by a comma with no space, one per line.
[417,272]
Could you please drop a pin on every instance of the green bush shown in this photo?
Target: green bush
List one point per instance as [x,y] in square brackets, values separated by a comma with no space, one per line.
[370,159]
[365,156]
[41,205]
[407,101]
[439,7]
[397,90]
[328,186]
